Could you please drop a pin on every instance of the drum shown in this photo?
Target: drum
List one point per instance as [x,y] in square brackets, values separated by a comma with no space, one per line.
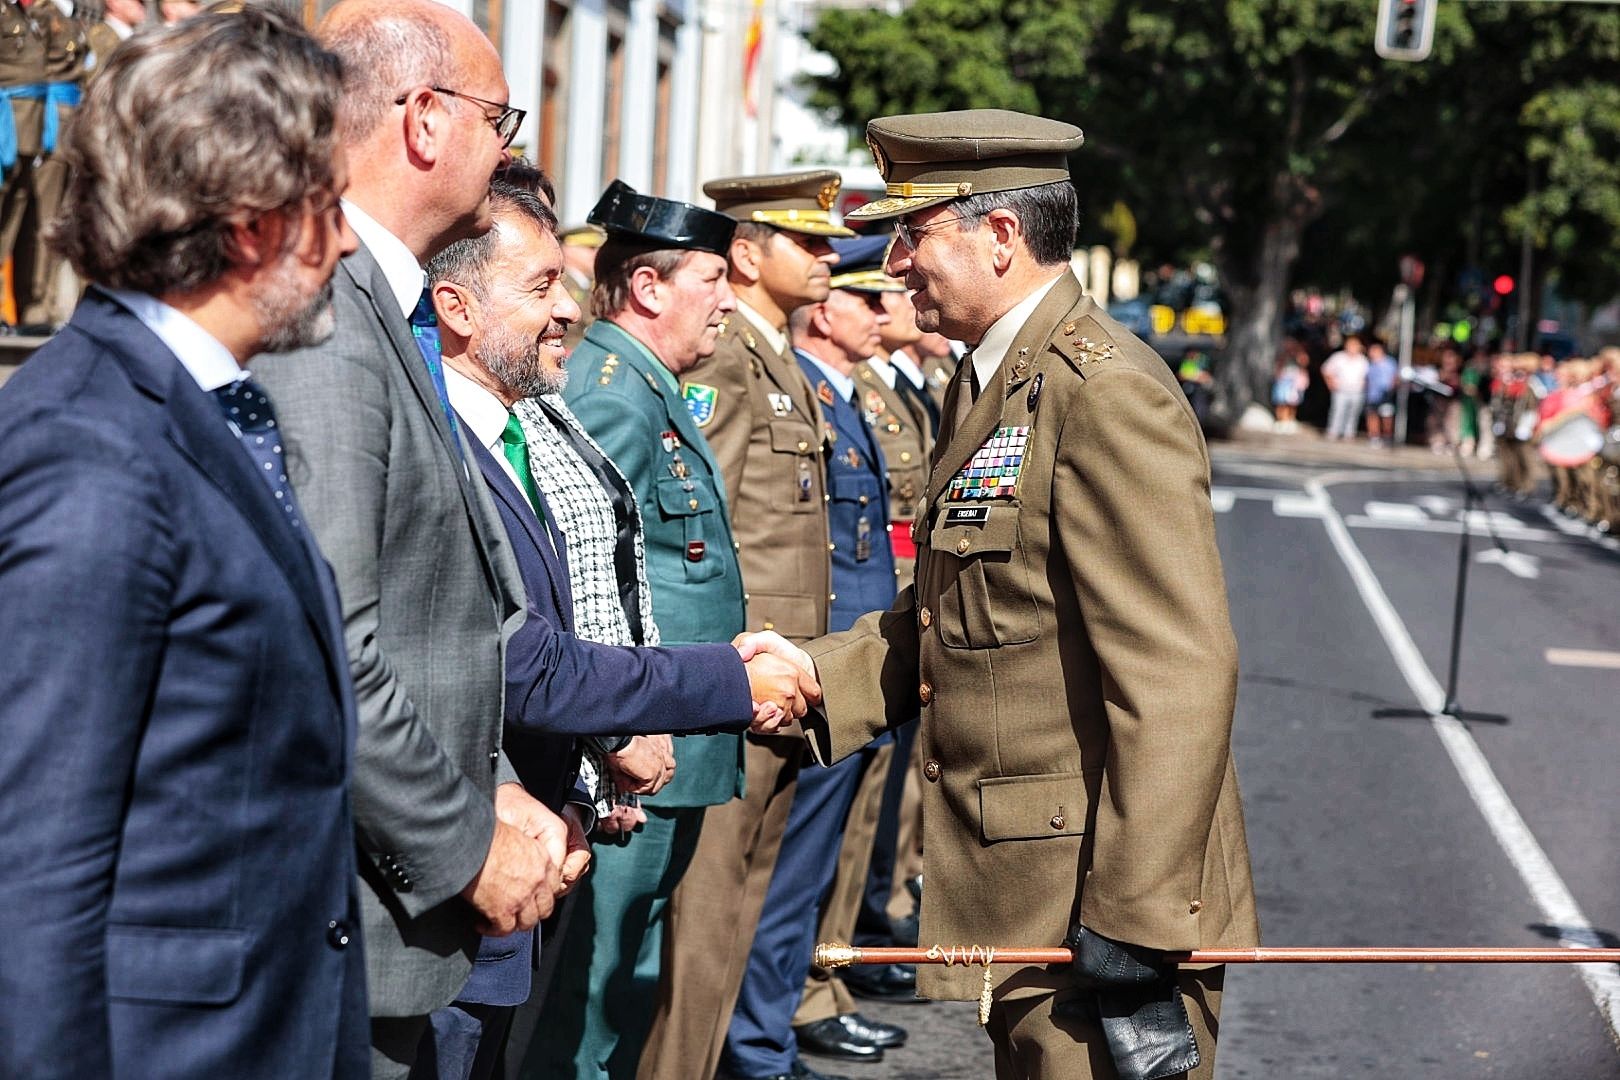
[1571,440]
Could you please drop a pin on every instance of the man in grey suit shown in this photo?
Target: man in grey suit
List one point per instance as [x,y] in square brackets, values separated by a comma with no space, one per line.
[450,844]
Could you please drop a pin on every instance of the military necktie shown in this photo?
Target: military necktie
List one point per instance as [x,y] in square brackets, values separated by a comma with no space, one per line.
[966,394]
[248,411]
[425,329]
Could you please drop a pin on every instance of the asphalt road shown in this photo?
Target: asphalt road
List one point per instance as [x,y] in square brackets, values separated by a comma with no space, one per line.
[1372,824]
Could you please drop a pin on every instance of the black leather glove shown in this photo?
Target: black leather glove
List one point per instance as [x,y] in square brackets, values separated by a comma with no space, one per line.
[1139,1005]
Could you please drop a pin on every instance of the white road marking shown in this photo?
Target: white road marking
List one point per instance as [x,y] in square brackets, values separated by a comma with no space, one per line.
[1222,499]
[1592,658]
[1517,531]
[1388,511]
[1438,505]
[1572,527]
[1516,563]
[1295,505]
[1547,889]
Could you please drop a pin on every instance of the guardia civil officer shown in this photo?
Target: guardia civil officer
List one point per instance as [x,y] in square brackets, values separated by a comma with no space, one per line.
[761,418]
[1067,639]
[660,295]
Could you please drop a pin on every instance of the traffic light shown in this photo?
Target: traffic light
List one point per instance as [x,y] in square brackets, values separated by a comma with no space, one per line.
[1405,29]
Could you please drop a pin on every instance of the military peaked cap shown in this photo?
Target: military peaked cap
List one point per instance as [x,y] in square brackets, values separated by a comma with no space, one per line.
[660,223]
[799,202]
[929,158]
[860,265]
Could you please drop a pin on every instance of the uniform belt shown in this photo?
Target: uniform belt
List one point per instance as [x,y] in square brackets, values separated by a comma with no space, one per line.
[900,540]
[57,94]
[8,119]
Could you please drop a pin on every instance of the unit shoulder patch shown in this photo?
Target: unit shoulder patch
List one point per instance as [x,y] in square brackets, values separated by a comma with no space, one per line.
[700,401]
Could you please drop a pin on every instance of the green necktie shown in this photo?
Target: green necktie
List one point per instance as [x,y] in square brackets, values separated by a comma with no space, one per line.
[516,448]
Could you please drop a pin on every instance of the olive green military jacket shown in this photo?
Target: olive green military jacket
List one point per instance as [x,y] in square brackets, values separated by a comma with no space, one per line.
[762,420]
[1069,645]
[938,371]
[22,62]
[904,438]
[633,412]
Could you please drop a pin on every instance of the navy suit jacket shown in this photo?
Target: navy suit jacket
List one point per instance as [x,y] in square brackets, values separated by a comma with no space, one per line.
[559,686]
[177,871]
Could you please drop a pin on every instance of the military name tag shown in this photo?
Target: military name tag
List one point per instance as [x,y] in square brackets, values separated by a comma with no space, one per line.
[695,550]
[992,472]
[967,515]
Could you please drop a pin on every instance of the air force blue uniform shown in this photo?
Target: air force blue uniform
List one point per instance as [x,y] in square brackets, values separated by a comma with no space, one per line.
[760,1041]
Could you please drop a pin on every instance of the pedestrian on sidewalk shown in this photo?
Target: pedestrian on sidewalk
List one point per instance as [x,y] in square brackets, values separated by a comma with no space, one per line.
[1292,378]
[1382,375]
[1345,373]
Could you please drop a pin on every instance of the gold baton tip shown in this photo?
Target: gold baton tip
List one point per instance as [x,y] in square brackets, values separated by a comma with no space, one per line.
[835,954]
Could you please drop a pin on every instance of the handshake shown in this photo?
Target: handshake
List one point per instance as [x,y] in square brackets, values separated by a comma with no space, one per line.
[781,678]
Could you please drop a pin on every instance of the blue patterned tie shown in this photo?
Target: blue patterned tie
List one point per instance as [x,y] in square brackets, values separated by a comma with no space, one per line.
[425,329]
[248,410]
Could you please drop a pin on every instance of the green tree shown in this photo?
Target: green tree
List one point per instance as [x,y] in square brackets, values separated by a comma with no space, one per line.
[1233,127]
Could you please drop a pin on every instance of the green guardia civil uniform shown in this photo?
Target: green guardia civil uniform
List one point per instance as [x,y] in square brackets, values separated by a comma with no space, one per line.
[596,1018]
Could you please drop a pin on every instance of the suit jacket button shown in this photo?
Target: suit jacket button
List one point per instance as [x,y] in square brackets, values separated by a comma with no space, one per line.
[337,935]
[494,756]
[803,446]
[1195,907]
[927,618]
[925,693]
[1057,822]
[931,771]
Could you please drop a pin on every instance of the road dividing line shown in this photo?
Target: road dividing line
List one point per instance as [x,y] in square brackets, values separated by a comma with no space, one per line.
[1593,658]
[1405,513]
[1547,889]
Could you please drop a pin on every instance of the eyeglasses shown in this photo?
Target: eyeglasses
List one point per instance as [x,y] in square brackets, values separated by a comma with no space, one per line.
[912,235]
[506,124]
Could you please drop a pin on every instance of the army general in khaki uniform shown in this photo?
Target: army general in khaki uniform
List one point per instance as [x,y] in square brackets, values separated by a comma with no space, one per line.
[1067,639]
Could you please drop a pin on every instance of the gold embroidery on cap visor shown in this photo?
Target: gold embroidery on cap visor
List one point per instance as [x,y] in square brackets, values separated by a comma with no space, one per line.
[895,205]
[813,222]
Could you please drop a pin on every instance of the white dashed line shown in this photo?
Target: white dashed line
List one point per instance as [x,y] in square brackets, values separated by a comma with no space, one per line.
[1590,658]
[1547,889]
[1396,512]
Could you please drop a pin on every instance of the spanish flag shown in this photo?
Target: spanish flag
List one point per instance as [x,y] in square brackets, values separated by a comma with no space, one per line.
[751,42]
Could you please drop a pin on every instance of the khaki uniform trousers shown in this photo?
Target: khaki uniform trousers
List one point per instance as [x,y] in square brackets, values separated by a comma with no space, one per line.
[824,993]
[1041,1029]
[714,913]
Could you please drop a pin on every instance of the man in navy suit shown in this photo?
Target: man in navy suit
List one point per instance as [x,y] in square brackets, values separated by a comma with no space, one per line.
[177,875]
[502,313]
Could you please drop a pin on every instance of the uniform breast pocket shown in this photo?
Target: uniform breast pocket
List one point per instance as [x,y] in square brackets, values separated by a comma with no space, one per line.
[799,466]
[984,600]
[696,509]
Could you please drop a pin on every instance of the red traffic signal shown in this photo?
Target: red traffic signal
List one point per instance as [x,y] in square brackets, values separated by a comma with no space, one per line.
[1503,284]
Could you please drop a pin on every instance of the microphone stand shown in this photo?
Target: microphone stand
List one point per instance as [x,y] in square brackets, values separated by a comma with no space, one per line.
[1471,499]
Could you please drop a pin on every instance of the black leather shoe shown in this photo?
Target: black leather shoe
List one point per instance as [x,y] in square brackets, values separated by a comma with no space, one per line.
[830,1038]
[876,1032]
[801,1071]
[887,982]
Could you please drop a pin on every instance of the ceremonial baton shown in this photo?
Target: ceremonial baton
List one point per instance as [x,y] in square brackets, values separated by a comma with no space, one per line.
[832,955]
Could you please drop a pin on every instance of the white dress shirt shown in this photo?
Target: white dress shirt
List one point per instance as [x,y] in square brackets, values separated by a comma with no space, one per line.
[405,275]
[484,417]
[199,352]
[992,349]
[884,369]
[905,365]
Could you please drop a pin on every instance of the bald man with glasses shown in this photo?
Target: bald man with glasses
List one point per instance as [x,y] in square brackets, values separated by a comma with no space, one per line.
[450,844]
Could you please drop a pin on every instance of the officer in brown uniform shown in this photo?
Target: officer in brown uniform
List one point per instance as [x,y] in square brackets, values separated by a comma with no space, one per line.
[1067,639]
[37,269]
[763,422]
[22,113]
